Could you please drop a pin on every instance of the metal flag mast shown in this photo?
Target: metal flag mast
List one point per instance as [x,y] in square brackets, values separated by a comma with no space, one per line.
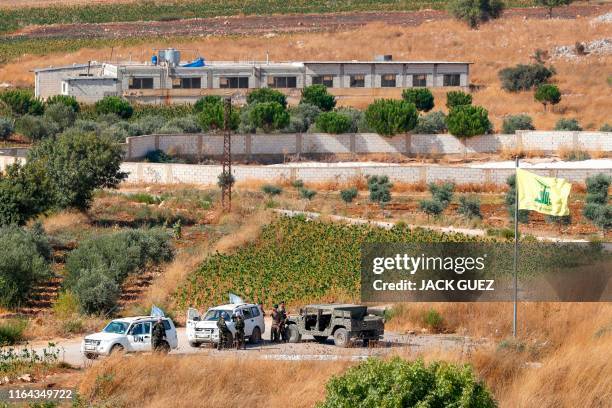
[516,243]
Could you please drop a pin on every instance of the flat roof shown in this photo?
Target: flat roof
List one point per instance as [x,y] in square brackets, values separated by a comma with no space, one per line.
[61,67]
[387,62]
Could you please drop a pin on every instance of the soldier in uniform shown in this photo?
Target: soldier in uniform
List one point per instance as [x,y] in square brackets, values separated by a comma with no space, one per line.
[283,321]
[158,335]
[276,319]
[239,325]
[223,332]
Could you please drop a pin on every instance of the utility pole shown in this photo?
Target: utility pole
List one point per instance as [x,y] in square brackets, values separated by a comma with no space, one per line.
[226,189]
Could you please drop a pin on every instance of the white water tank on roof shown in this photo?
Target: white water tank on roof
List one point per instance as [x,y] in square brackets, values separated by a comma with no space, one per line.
[171,56]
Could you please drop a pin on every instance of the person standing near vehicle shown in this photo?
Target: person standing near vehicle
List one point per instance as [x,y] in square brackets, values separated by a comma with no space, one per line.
[276,318]
[239,325]
[158,335]
[282,327]
[223,332]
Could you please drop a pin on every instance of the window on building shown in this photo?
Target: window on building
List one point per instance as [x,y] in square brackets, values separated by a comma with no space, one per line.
[141,83]
[452,79]
[64,88]
[234,82]
[327,80]
[419,80]
[357,81]
[282,82]
[189,83]
[388,80]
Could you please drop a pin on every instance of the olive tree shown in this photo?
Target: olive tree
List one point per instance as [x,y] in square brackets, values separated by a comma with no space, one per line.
[548,94]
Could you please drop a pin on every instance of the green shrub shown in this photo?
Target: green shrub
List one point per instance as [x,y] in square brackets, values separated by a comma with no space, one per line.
[22,102]
[77,164]
[24,261]
[11,332]
[469,206]
[266,95]
[606,127]
[62,115]
[203,102]
[271,190]
[400,383]
[24,193]
[307,194]
[422,98]
[146,125]
[575,155]
[114,105]
[443,192]
[523,215]
[474,12]
[65,100]
[524,77]
[568,124]
[6,128]
[333,122]
[431,207]
[170,130]
[380,190]
[318,96]
[72,326]
[269,116]
[66,305]
[356,118]
[297,184]
[597,188]
[35,127]
[225,180]
[88,126]
[466,121]
[158,156]
[457,98]
[513,123]
[591,211]
[144,198]
[185,124]
[301,117]
[431,123]
[603,217]
[433,321]
[348,195]
[389,117]
[547,94]
[96,290]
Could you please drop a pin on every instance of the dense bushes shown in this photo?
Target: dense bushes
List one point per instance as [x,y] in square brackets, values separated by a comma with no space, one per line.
[431,123]
[6,128]
[333,122]
[524,77]
[96,269]
[268,116]
[62,116]
[114,104]
[469,206]
[597,208]
[441,196]
[301,117]
[24,261]
[457,98]
[474,12]
[267,95]
[422,98]
[65,100]
[24,193]
[212,113]
[22,102]
[513,123]
[389,117]
[318,96]
[35,127]
[400,383]
[568,124]
[466,121]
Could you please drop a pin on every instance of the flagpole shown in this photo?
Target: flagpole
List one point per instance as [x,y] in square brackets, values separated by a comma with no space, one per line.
[516,243]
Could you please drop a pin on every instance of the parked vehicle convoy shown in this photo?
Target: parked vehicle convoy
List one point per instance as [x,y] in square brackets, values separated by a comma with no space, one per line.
[344,322]
[203,329]
[129,334]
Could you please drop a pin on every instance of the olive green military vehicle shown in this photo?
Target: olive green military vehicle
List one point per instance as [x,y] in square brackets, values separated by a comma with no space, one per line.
[344,322]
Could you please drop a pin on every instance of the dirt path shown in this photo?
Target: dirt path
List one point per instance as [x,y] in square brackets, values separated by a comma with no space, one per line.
[289,23]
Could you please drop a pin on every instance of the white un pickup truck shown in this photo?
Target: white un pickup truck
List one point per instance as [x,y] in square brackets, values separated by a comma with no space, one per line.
[203,329]
[129,334]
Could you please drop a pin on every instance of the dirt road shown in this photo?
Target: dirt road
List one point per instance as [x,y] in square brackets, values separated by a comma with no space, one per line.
[289,23]
[308,349]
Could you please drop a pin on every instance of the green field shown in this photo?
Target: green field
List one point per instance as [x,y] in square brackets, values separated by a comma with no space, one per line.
[297,261]
[13,19]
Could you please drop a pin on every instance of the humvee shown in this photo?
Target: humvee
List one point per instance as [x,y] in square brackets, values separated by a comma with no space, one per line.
[344,322]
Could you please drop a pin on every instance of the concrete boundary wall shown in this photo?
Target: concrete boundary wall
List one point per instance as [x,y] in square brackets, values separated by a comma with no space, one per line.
[203,145]
[207,174]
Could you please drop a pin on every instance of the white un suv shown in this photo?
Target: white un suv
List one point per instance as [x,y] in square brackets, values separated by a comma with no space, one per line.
[129,334]
[203,329]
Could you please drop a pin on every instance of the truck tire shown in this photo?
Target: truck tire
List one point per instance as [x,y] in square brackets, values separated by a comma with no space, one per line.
[194,344]
[294,334]
[341,337]
[91,356]
[320,339]
[255,336]
[116,349]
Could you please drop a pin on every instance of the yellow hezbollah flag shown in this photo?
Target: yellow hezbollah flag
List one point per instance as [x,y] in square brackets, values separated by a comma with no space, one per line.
[547,195]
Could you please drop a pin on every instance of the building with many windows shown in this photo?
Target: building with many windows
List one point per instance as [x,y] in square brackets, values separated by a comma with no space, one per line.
[166,80]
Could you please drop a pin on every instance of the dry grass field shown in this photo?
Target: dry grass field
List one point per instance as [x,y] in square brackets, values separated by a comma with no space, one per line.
[563,362]
[506,42]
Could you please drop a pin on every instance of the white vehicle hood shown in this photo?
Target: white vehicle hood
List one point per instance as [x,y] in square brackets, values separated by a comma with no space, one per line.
[105,336]
[210,325]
